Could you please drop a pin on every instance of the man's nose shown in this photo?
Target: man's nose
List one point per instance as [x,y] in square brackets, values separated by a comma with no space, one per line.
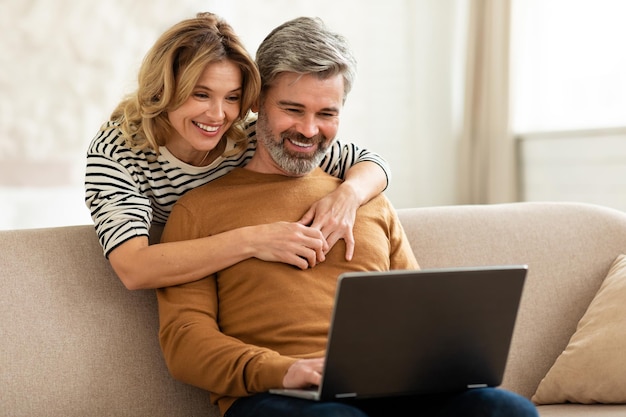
[307,126]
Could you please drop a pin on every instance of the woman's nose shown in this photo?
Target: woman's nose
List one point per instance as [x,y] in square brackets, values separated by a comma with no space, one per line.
[215,110]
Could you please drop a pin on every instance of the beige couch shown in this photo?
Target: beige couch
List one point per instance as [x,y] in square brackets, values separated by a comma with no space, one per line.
[75,342]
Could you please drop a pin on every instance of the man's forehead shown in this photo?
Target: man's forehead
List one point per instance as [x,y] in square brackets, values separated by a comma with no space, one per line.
[304,89]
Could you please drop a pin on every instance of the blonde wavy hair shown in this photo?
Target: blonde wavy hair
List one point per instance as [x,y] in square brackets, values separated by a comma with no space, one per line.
[170,71]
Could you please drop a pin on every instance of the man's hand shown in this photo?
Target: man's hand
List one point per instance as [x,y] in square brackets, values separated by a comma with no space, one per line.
[304,373]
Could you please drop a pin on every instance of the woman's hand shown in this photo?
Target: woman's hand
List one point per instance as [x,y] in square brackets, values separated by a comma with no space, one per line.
[288,242]
[334,216]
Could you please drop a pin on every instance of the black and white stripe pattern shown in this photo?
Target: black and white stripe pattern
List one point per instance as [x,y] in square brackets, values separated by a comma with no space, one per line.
[127,190]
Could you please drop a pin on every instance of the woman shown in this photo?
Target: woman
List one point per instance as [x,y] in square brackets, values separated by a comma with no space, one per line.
[187,124]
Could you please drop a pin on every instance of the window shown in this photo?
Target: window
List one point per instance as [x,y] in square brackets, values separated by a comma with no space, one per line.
[569,99]
[569,65]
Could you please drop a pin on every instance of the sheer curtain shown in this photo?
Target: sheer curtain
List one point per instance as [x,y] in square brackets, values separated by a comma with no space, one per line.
[487,163]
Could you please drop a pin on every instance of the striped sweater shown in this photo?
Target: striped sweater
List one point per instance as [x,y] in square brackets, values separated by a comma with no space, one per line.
[127,190]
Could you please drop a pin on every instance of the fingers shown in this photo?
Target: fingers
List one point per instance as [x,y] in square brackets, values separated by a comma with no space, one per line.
[349,239]
[314,246]
[308,258]
[338,232]
[304,373]
[291,243]
[308,217]
[335,228]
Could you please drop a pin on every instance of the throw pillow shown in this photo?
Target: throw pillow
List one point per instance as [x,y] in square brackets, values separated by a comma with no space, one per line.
[592,368]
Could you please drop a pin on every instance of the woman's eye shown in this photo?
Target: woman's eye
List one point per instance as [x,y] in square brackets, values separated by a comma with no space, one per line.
[233,99]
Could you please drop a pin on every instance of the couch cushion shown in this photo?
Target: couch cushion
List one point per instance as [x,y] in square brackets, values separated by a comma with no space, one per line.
[592,368]
[74,342]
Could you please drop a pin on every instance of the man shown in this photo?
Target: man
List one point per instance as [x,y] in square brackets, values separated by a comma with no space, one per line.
[259,325]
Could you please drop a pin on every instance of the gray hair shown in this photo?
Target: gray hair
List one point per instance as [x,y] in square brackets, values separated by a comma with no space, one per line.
[305,46]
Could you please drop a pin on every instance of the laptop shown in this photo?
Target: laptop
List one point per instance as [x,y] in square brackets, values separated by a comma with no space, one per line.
[418,332]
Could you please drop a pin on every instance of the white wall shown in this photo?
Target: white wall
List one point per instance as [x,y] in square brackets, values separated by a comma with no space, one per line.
[66,63]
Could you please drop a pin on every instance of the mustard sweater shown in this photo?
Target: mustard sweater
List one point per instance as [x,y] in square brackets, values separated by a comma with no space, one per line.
[269,313]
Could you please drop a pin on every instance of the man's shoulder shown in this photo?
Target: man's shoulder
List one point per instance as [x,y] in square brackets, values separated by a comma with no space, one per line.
[320,173]
[380,204]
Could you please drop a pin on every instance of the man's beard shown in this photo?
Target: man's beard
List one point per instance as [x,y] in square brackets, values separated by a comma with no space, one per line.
[293,163]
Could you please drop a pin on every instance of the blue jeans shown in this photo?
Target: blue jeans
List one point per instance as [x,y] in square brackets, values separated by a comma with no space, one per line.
[482,402]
